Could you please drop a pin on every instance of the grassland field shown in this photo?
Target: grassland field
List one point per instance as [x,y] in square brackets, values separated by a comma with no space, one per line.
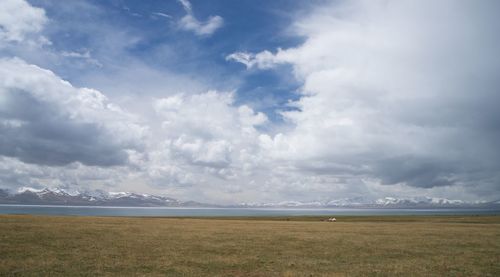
[271,246]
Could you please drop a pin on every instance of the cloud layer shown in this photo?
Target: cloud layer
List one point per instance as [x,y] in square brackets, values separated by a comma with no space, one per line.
[398,98]
[394,91]
[45,120]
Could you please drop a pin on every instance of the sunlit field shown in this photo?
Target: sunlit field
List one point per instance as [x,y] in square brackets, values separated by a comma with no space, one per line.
[297,246]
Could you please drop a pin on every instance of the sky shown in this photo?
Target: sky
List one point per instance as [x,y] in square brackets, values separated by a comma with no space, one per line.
[252,101]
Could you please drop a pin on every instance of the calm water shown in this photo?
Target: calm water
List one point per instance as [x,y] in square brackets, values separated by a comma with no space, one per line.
[140,211]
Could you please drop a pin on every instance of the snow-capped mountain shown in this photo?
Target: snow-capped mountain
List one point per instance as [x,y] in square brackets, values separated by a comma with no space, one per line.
[386,202]
[391,201]
[348,202]
[289,204]
[59,196]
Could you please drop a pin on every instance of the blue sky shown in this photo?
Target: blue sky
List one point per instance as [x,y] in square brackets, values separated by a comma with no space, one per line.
[252,101]
[149,32]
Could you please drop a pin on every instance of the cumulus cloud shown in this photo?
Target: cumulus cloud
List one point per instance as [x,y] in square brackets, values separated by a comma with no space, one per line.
[396,91]
[21,22]
[190,23]
[45,120]
[15,173]
[207,147]
[207,130]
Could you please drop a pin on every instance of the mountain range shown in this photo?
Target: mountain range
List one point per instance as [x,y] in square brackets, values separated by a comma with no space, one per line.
[59,196]
[386,202]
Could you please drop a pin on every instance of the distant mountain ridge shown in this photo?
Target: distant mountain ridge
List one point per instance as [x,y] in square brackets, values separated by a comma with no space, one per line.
[59,196]
[386,202]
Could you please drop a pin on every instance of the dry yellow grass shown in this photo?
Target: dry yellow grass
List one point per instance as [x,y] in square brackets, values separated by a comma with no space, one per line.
[362,246]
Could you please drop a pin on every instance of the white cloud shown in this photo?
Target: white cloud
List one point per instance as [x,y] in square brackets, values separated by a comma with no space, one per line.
[206,129]
[206,147]
[84,55]
[57,124]
[56,135]
[186,5]
[391,91]
[190,23]
[262,60]
[162,15]
[21,22]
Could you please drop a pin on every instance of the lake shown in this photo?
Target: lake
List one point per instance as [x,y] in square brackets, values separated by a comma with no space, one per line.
[174,211]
